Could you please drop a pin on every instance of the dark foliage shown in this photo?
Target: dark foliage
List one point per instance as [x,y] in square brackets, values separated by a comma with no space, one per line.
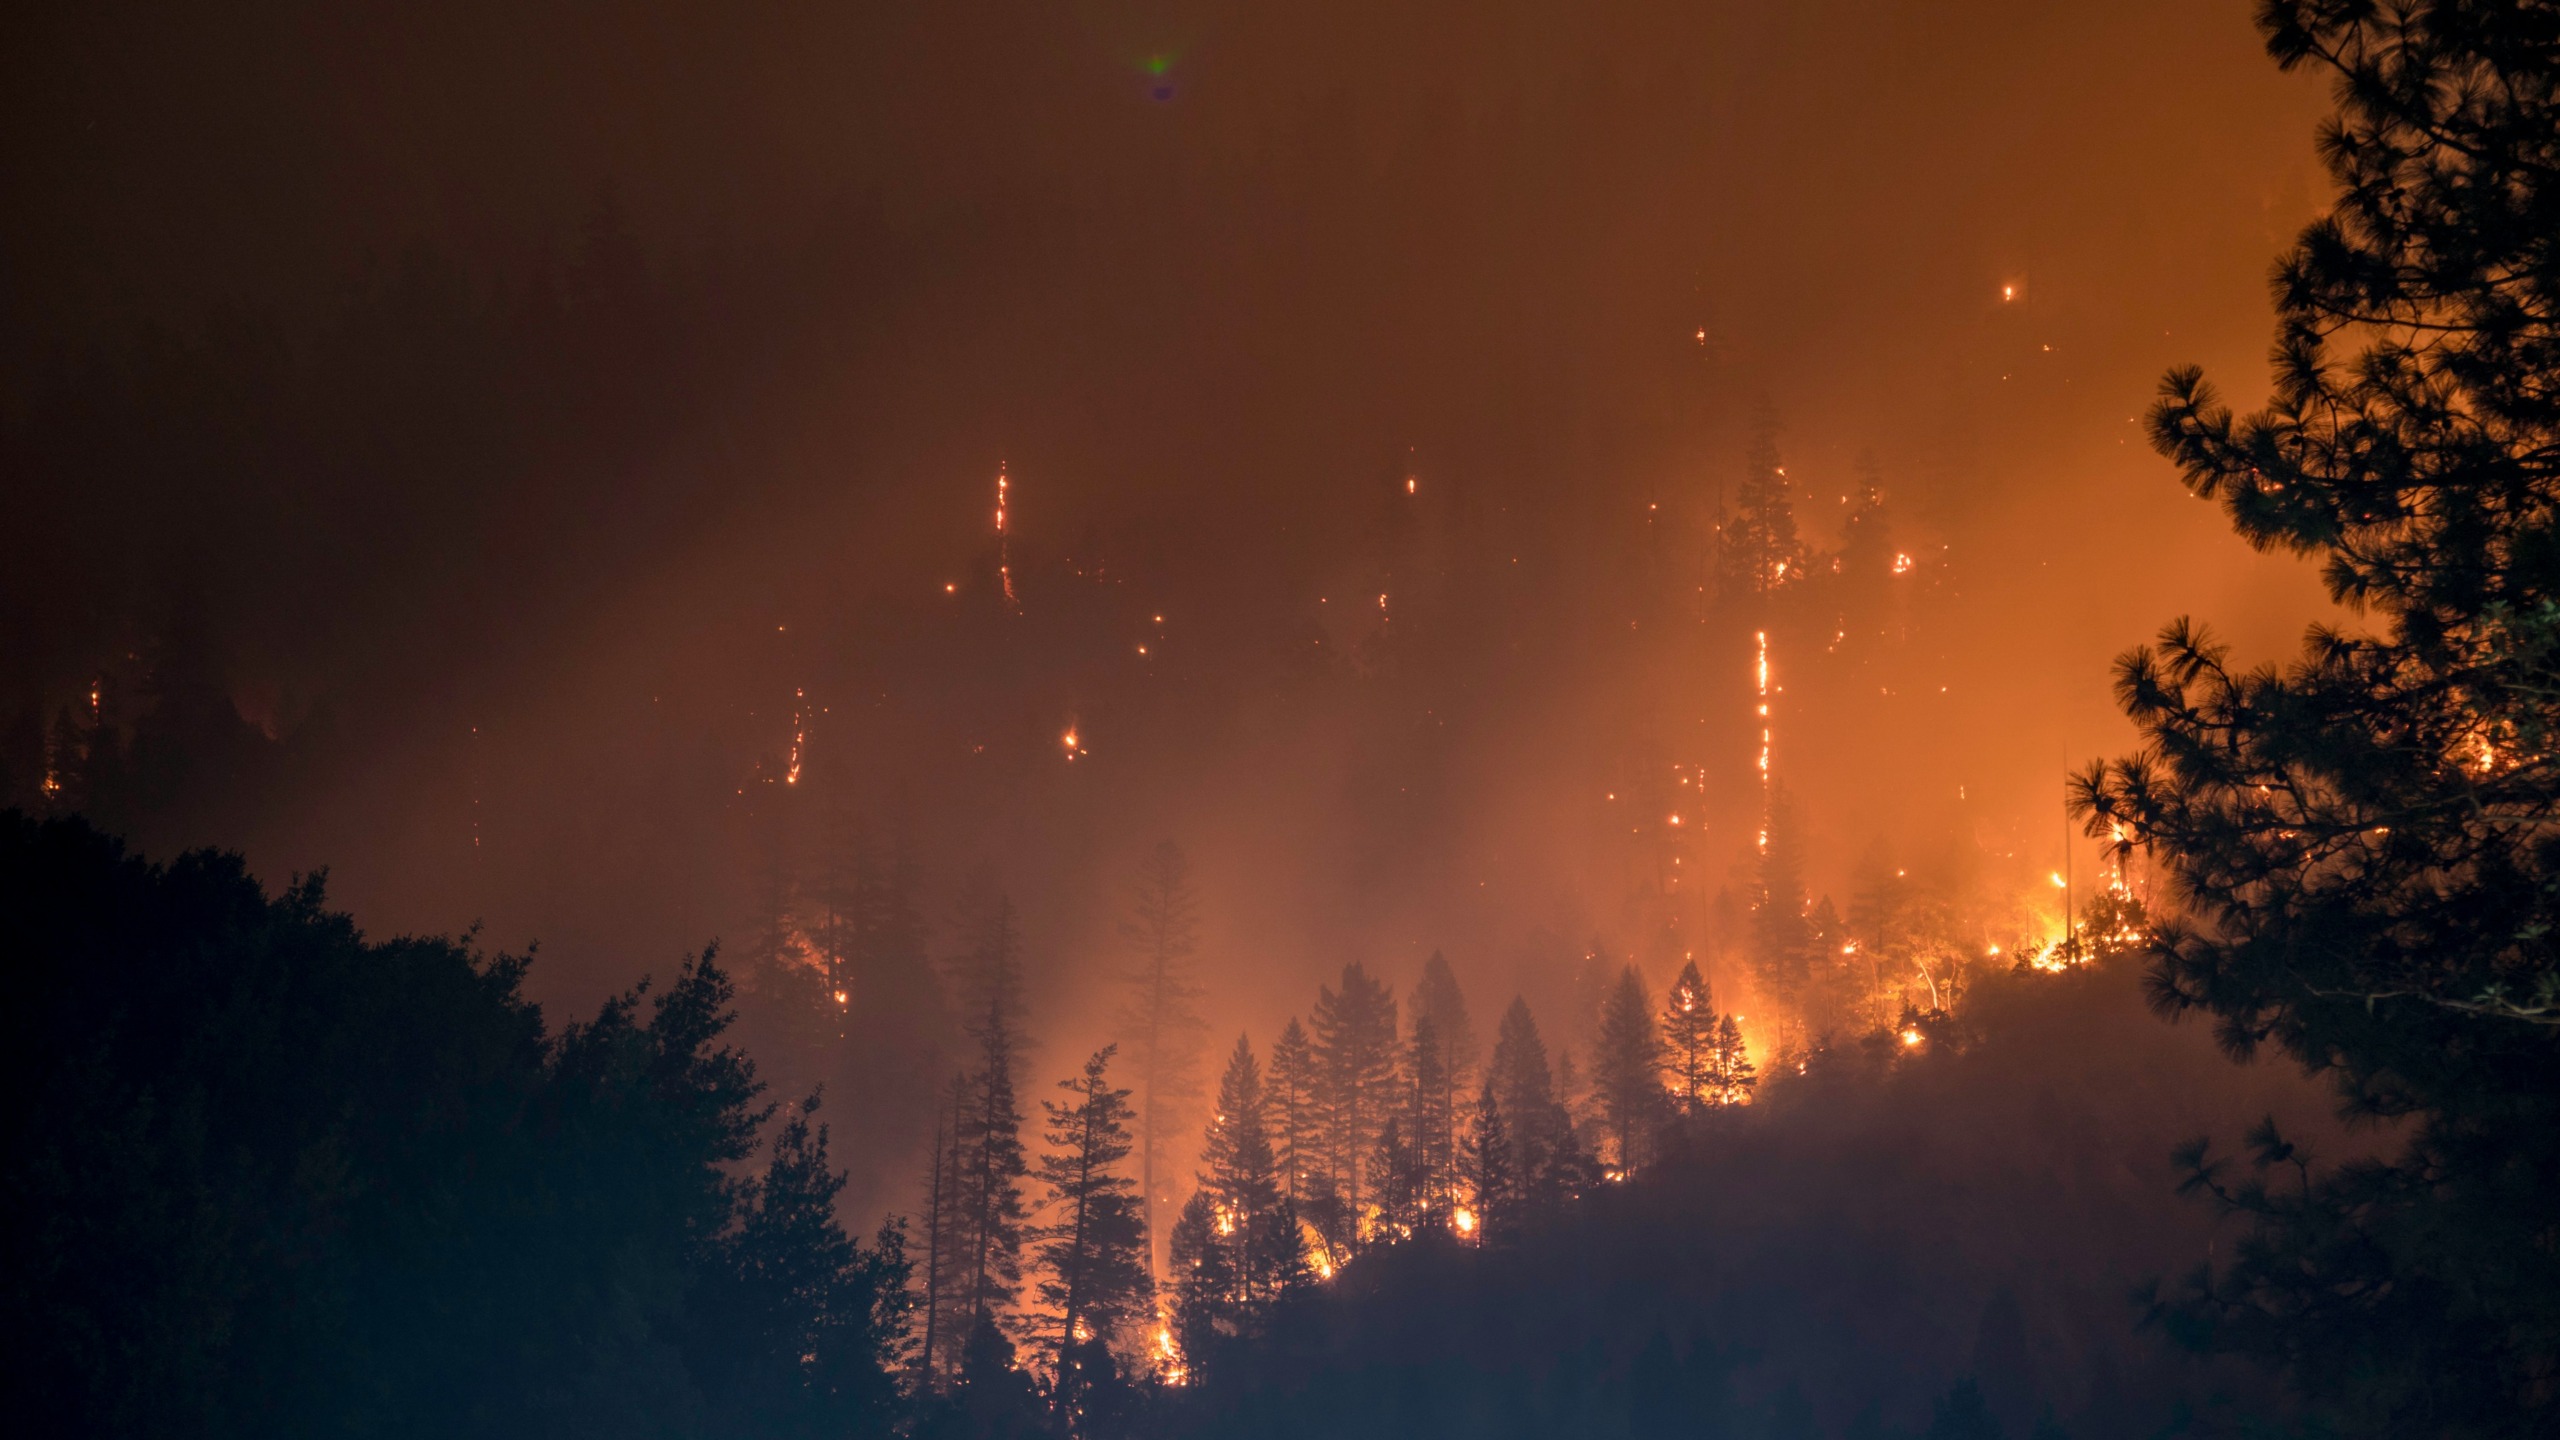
[266,1177]
[2365,841]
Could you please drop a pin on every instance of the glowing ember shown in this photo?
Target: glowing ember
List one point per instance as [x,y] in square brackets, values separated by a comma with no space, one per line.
[1004,537]
[799,738]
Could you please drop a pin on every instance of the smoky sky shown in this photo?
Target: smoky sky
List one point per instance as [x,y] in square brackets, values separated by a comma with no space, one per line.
[545,601]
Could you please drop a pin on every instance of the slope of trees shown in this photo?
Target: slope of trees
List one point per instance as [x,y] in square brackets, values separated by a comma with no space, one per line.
[1935,1245]
[266,1176]
[2364,839]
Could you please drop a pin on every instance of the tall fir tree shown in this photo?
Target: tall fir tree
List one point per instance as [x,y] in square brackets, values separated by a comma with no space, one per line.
[990,1162]
[1160,1017]
[1688,1038]
[1297,1112]
[1729,1072]
[1758,551]
[1201,1276]
[935,1351]
[1256,1223]
[1093,1250]
[1781,939]
[1438,998]
[1490,1164]
[2364,841]
[1428,1116]
[1627,1071]
[1524,1090]
[1355,1035]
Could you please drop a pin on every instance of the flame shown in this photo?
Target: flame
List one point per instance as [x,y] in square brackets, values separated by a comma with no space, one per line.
[1464,1220]
[1760,674]
[1169,1358]
[1004,536]
[799,738]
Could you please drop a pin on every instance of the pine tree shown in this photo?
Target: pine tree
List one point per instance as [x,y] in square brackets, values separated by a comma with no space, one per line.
[1203,1282]
[1495,1192]
[1356,1054]
[1429,1119]
[1781,941]
[1296,1111]
[1395,1185]
[1547,1154]
[1094,1248]
[1688,1034]
[1758,550]
[990,1162]
[2363,841]
[943,1226]
[1437,998]
[1161,1017]
[802,1326]
[1627,1071]
[1256,1223]
[1729,1074]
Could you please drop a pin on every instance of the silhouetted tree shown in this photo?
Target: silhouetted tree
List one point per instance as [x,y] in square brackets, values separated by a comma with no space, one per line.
[1491,1165]
[1256,1222]
[990,1162]
[1427,1115]
[286,1180]
[1094,1247]
[1688,1035]
[1161,1018]
[1757,549]
[1627,1071]
[2364,840]
[1356,1050]
[1730,1074]
[1438,999]
[1203,1281]
[800,1330]
[1297,1111]
[1781,941]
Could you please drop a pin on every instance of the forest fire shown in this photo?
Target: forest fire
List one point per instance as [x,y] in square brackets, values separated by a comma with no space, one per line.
[560,876]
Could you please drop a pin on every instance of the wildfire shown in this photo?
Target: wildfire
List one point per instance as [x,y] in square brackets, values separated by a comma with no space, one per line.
[1004,536]
[1911,1038]
[799,737]
[1760,674]
[1464,1220]
[1073,742]
[1169,1364]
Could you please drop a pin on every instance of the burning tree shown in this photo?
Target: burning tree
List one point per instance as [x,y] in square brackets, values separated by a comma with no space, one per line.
[1688,1033]
[1162,1016]
[2364,843]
